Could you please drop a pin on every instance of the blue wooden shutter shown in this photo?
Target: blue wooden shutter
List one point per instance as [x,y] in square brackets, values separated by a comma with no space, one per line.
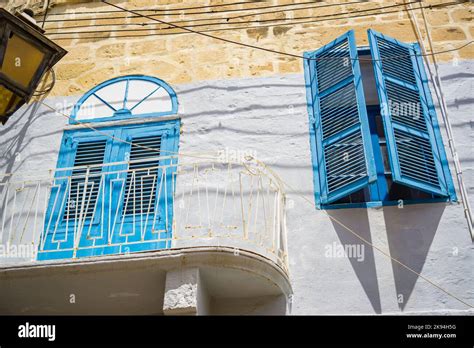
[416,157]
[141,184]
[82,199]
[343,162]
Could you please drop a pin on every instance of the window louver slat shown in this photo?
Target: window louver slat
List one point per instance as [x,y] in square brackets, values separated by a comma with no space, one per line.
[348,163]
[416,157]
[334,65]
[400,65]
[405,106]
[339,111]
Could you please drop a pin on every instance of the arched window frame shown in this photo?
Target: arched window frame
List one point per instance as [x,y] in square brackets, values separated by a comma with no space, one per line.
[172,94]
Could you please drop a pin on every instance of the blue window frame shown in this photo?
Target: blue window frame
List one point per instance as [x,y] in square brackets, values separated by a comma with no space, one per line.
[395,151]
[124,206]
[112,191]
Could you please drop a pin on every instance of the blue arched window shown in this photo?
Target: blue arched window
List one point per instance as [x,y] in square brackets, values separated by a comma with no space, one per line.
[126,97]
[113,188]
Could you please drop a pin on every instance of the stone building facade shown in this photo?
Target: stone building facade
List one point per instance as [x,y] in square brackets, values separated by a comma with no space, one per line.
[244,102]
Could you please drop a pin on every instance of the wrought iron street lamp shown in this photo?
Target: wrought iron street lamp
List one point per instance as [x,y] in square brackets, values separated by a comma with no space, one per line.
[25,56]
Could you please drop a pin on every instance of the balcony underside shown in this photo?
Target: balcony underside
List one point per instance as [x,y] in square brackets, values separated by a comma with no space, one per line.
[237,283]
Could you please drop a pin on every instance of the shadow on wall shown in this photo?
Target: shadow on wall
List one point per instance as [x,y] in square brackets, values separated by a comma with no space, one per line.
[410,232]
[14,139]
[364,267]
[18,126]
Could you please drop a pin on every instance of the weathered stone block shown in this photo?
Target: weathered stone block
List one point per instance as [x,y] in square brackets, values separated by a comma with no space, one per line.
[437,17]
[462,15]
[257,33]
[448,34]
[72,71]
[292,66]
[95,77]
[111,51]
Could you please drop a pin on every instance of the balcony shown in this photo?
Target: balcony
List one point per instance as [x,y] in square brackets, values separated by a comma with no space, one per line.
[120,234]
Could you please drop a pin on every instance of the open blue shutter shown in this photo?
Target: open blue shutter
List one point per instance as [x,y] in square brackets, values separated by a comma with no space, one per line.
[408,115]
[343,162]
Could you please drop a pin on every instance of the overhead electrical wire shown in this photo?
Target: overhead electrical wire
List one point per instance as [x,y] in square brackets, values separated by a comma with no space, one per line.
[355,2]
[226,22]
[187,30]
[267,49]
[226,19]
[167,10]
[203,12]
[280,11]
[98,131]
[243,22]
[45,13]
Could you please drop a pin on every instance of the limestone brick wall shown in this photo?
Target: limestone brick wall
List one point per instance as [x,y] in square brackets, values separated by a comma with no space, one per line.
[182,58]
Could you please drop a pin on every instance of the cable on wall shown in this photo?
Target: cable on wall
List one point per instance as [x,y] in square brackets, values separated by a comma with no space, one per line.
[211,19]
[48,88]
[326,17]
[274,51]
[203,12]
[166,10]
[46,8]
[444,113]
[98,131]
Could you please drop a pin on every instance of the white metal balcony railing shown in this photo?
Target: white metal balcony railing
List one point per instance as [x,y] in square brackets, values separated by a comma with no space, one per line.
[112,209]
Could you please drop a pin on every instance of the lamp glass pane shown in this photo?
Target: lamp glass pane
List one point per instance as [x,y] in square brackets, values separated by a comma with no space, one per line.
[22,60]
[8,101]
[5,99]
